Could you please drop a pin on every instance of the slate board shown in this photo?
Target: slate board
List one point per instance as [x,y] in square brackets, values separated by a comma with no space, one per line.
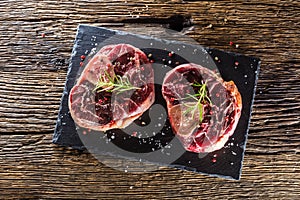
[159,145]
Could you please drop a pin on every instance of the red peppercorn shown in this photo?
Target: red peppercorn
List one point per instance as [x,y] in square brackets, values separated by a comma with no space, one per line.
[236,63]
[134,134]
[151,61]
[142,68]
[214,160]
[81,64]
[230,43]
[43,35]
[171,54]
[82,57]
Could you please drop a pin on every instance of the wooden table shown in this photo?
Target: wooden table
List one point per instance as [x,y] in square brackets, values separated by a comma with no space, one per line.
[36,43]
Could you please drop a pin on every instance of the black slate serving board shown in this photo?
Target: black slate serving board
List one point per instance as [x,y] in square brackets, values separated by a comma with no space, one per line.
[153,140]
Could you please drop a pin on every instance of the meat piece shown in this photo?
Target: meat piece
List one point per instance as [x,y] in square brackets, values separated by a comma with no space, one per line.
[115,88]
[203,109]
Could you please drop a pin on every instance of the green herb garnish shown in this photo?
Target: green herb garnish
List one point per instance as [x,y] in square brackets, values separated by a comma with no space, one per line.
[201,98]
[117,84]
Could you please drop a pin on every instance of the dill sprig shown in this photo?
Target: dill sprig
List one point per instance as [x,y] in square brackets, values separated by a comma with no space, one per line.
[201,98]
[117,84]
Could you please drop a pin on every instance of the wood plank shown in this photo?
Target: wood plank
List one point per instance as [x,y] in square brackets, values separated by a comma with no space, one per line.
[33,70]
[29,100]
[31,162]
[275,28]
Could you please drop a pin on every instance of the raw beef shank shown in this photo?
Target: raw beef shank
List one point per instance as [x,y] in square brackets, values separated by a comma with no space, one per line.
[115,88]
[203,109]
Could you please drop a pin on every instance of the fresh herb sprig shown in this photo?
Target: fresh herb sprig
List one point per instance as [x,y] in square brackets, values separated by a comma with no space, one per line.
[116,84]
[201,98]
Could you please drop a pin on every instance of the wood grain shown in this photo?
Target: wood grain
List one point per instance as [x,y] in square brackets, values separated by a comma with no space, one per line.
[33,70]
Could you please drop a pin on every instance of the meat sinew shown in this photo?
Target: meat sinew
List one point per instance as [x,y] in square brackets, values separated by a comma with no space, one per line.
[203,109]
[115,88]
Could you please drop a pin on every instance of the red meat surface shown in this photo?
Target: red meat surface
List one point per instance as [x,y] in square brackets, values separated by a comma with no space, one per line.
[220,109]
[103,108]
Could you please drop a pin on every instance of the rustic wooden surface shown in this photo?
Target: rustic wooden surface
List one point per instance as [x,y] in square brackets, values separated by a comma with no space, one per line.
[33,70]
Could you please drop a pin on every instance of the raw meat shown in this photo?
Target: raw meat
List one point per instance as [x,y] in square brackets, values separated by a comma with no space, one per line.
[126,91]
[203,109]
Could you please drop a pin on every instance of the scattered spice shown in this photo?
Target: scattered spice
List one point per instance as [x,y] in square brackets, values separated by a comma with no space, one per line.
[231,43]
[134,134]
[214,160]
[43,35]
[171,54]
[216,58]
[236,63]
[237,46]
[81,64]
[100,101]
[82,57]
